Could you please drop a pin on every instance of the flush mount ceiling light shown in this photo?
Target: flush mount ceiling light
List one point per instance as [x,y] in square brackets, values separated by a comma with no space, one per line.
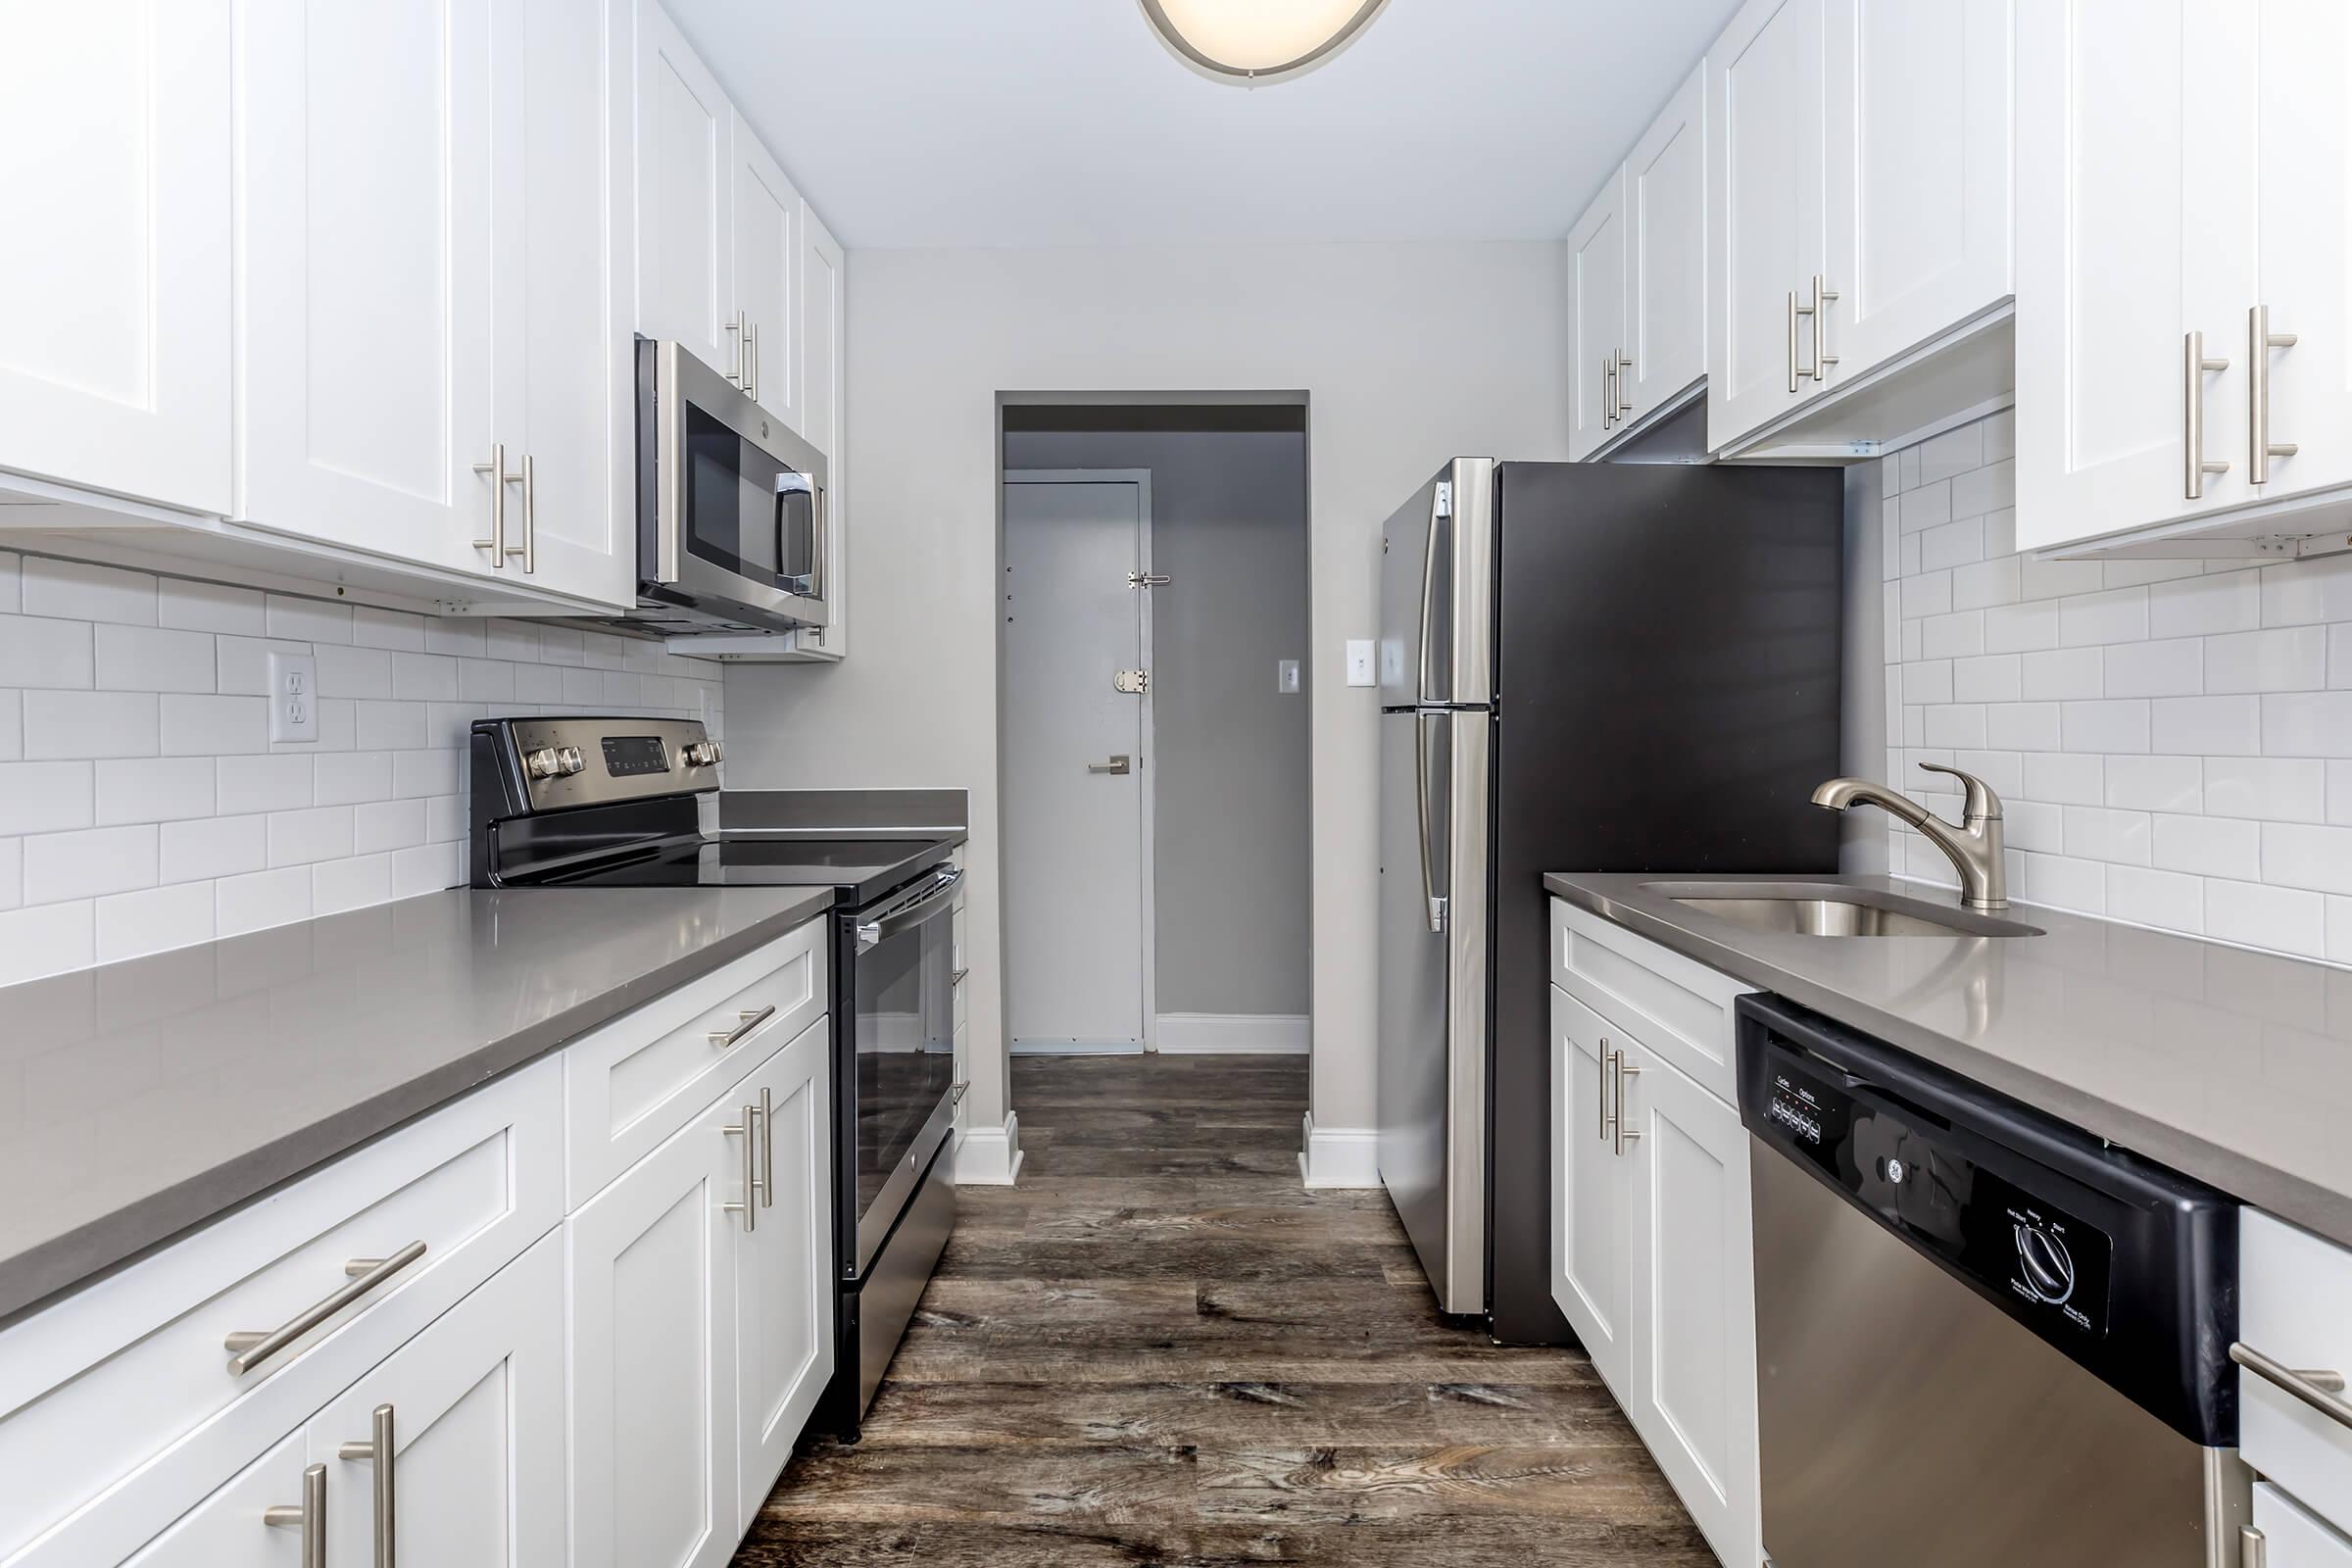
[1249,41]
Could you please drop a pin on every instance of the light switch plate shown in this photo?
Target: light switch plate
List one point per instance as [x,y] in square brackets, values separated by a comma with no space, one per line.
[293,697]
[1285,676]
[1359,662]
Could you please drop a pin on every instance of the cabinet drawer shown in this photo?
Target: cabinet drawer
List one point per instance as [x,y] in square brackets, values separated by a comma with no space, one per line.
[1681,1010]
[633,1082]
[2292,1538]
[125,1390]
[2296,1306]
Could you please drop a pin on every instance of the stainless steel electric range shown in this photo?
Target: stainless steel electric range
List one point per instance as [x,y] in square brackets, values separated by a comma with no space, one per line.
[573,802]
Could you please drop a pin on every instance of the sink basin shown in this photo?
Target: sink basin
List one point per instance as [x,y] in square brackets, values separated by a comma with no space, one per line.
[1829,909]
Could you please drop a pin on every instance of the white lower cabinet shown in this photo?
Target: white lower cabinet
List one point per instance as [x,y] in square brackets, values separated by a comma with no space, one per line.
[1653,1260]
[228,1529]
[2292,1538]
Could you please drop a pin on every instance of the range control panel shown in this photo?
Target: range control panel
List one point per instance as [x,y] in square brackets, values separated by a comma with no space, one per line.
[2050,1262]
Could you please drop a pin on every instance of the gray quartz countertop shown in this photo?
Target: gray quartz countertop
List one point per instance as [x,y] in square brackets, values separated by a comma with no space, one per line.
[2230,1066]
[142,1097]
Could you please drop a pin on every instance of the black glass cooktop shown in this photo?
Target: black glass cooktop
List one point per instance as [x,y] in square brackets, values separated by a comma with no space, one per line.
[864,869]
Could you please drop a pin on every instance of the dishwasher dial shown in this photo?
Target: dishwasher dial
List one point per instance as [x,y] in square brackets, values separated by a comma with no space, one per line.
[2047,1266]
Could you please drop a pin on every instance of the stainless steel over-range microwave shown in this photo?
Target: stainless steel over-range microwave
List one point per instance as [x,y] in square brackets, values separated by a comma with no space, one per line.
[731,506]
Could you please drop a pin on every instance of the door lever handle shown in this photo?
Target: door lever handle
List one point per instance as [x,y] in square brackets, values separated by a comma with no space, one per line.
[1117,765]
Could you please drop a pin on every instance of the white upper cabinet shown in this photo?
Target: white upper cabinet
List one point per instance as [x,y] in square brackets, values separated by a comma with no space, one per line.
[1666,255]
[767,262]
[1916,196]
[2137,263]
[115,171]
[364,248]
[1597,319]
[565,384]
[825,373]
[1765,242]
[685,198]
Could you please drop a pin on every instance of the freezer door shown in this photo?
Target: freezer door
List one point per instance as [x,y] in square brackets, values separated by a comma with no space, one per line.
[1433,991]
[1437,591]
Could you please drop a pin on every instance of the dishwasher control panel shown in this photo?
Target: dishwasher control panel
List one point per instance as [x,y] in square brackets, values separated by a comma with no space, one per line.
[2025,1246]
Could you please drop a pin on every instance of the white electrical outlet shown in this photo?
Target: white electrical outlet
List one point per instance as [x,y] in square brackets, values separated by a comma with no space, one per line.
[293,697]
[1285,676]
[1359,662]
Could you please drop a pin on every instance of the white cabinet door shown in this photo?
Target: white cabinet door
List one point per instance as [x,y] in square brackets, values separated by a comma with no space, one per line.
[2305,173]
[1765,237]
[115,170]
[226,1530]
[1591,1183]
[2292,1538]
[1693,1308]
[824,418]
[1597,317]
[475,1410]
[1917,173]
[685,197]
[653,1357]
[2136,227]
[767,261]
[364,249]
[565,390]
[784,1267]
[1666,253]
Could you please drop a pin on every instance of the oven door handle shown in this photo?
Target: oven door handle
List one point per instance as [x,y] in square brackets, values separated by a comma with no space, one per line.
[935,901]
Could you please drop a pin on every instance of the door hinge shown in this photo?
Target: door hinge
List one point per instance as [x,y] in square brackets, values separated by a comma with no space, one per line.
[1149,579]
[1444,506]
[1134,682]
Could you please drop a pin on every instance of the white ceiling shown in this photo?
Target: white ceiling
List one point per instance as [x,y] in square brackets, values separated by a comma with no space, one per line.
[1029,122]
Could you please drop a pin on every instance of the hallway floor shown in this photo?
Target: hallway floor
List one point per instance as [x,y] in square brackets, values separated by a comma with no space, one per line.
[1157,1348]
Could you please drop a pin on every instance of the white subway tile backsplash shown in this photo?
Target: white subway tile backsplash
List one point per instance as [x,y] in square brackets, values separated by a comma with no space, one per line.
[2105,725]
[388,825]
[11,727]
[425,678]
[2208,846]
[212,847]
[2195,607]
[417,775]
[2175,667]
[1955,544]
[1987,489]
[2170,900]
[153,789]
[2293,723]
[2099,833]
[154,659]
[2286,659]
[316,833]
[391,726]
[36,650]
[1986,582]
[129,925]
[2058,674]
[2214,725]
[351,883]
[45,939]
[2283,920]
[1987,678]
[2340,793]
[10,583]
[218,725]
[1927,681]
[61,866]
[2064,778]
[2056,579]
[2020,628]
[1953,636]
[274,783]
[1953,452]
[241,664]
[386,628]
[426,867]
[2275,789]
[90,724]
[207,607]
[12,873]
[76,590]
[307,620]
[354,671]
[2064,883]
[2298,856]
[44,797]
[345,777]
[2119,615]
[2156,783]
[461,637]
[259,899]
[2022,726]
[2307,591]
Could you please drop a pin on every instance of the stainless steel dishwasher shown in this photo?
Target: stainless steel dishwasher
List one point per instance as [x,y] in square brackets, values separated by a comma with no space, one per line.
[1983,1335]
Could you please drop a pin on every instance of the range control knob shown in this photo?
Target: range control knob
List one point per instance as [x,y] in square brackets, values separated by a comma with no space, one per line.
[700,754]
[2047,1267]
[553,761]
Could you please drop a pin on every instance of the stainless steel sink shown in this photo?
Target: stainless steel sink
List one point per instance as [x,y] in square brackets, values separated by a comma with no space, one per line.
[1830,910]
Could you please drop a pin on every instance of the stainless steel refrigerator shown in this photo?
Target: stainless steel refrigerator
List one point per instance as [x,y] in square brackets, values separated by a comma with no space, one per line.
[1583,666]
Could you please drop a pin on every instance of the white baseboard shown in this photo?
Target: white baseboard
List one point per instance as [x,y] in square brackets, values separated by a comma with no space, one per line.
[1077,1047]
[1340,1157]
[1233,1034]
[990,1156]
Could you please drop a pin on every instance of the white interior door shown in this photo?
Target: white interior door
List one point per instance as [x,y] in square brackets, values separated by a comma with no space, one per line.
[1076,862]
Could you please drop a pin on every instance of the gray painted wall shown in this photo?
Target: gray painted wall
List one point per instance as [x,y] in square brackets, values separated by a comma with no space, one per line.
[1232,787]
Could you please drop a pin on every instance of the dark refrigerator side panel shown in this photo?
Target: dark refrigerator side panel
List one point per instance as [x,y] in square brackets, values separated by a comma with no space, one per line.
[1667,687]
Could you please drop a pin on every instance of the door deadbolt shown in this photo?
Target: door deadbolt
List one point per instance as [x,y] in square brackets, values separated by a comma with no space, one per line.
[1134,682]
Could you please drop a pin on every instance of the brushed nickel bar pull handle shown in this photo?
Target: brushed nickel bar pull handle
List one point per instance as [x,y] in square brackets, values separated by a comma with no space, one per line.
[1821,362]
[2193,366]
[2324,1392]
[308,1516]
[1608,393]
[382,1448]
[751,347]
[1625,405]
[1625,1134]
[723,1038]
[746,1129]
[734,330]
[2259,448]
[251,1348]
[496,469]
[529,548]
[1606,1058]
[767,1148]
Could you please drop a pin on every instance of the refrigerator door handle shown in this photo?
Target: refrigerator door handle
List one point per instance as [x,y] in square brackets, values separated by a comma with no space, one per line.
[1432,900]
[1429,591]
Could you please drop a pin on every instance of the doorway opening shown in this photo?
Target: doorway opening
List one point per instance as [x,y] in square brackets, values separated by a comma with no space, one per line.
[1153,713]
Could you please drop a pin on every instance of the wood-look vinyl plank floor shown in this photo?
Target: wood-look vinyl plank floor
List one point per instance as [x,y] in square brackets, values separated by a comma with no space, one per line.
[1160,1349]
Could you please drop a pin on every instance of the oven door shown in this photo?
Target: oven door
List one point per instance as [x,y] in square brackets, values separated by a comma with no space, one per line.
[903,972]
[739,515]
